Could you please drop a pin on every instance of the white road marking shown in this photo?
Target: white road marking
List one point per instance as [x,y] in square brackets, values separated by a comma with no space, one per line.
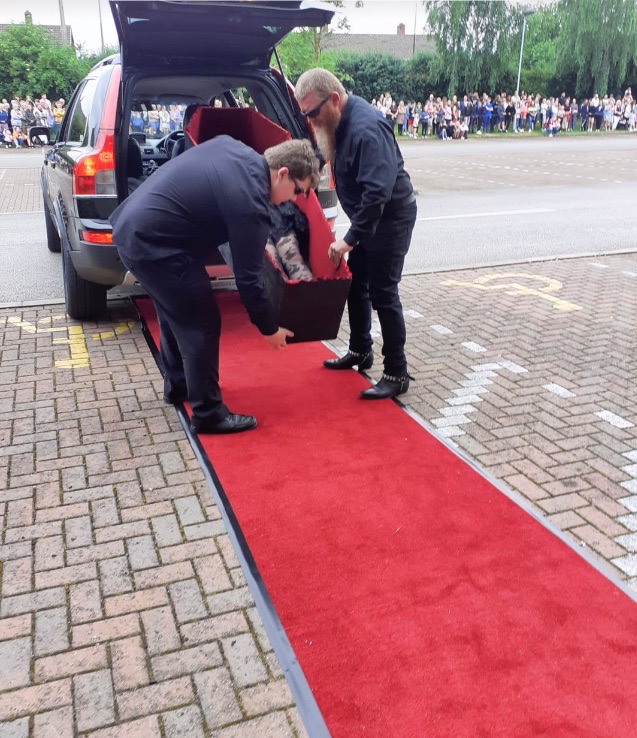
[558,390]
[413,314]
[513,367]
[454,413]
[597,265]
[473,346]
[615,420]
[493,214]
[443,330]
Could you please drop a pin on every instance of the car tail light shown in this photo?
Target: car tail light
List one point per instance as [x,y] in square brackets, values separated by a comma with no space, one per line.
[94,174]
[97,236]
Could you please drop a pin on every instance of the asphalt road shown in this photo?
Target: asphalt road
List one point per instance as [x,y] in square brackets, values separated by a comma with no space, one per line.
[481,202]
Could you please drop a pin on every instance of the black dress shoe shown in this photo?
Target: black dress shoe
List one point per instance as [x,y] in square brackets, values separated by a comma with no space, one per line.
[350,360]
[387,388]
[232,424]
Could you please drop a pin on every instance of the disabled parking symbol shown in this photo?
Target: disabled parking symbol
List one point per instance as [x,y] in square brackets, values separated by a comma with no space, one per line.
[510,284]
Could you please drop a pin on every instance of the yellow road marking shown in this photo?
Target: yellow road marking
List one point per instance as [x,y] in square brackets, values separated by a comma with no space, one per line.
[76,340]
[77,344]
[520,290]
[119,329]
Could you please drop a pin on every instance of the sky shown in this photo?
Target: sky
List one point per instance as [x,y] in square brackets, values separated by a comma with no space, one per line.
[376,16]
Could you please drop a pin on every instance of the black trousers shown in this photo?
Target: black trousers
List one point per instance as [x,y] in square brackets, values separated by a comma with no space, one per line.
[377,269]
[190,327]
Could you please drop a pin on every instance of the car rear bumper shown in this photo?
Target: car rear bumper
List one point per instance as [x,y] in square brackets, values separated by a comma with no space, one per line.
[98,263]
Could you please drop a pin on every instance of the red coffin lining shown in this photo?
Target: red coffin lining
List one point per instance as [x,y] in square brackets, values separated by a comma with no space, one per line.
[258,132]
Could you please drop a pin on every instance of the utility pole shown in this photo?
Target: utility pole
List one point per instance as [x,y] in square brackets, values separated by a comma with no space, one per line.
[62,22]
[526,12]
[413,48]
[99,10]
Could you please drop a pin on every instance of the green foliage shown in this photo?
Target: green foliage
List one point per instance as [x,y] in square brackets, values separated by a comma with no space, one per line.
[597,43]
[33,63]
[371,75]
[298,51]
[420,79]
[539,63]
[473,41]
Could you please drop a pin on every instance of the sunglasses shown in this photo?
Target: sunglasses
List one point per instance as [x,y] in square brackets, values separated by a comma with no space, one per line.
[298,190]
[313,113]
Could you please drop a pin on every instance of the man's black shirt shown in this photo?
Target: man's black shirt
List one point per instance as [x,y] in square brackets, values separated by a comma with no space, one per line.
[216,192]
[369,172]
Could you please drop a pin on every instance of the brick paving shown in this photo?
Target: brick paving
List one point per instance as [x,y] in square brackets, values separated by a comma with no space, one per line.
[20,191]
[123,608]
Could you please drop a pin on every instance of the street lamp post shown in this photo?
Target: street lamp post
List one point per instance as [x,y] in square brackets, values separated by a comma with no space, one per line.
[525,13]
[99,10]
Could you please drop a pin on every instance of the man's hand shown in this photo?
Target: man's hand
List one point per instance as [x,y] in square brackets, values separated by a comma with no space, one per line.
[278,340]
[337,250]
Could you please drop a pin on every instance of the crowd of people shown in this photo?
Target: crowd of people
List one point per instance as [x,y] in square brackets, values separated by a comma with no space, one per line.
[28,122]
[455,119]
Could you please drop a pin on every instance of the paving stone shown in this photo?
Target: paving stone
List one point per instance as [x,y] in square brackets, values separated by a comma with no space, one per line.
[187,600]
[15,627]
[70,663]
[155,698]
[115,576]
[86,602]
[263,698]
[54,724]
[30,700]
[274,725]
[93,700]
[141,552]
[15,728]
[160,630]
[15,662]
[51,634]
[217,697]
[17,576]
[185,722]
[147,727]
[189,511]
[187,661]
[244,660]
[129,663]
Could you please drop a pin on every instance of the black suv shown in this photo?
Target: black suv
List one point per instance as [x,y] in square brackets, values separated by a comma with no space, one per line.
[126,119]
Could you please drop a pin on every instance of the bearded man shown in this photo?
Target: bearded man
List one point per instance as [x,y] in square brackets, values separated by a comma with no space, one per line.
[377,196]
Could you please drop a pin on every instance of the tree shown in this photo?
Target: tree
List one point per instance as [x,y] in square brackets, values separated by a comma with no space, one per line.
[598,42]
[539,63]
[33,62]
[420,79]
[298,53]
[369,75]
[473,41]
[305,48]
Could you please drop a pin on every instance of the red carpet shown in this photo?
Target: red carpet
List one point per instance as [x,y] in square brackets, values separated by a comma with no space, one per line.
[419,600]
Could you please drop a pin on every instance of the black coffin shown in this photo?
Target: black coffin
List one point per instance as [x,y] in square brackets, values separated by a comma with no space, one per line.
[312,309]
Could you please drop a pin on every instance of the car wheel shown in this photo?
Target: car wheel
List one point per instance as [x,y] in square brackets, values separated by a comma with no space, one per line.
[84,300]
[52,236]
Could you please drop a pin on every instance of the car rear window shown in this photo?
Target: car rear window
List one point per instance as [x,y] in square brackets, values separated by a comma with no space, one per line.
[79,115]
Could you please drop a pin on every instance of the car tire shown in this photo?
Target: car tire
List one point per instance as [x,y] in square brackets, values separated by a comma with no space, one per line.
[53,240]
[84,300]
